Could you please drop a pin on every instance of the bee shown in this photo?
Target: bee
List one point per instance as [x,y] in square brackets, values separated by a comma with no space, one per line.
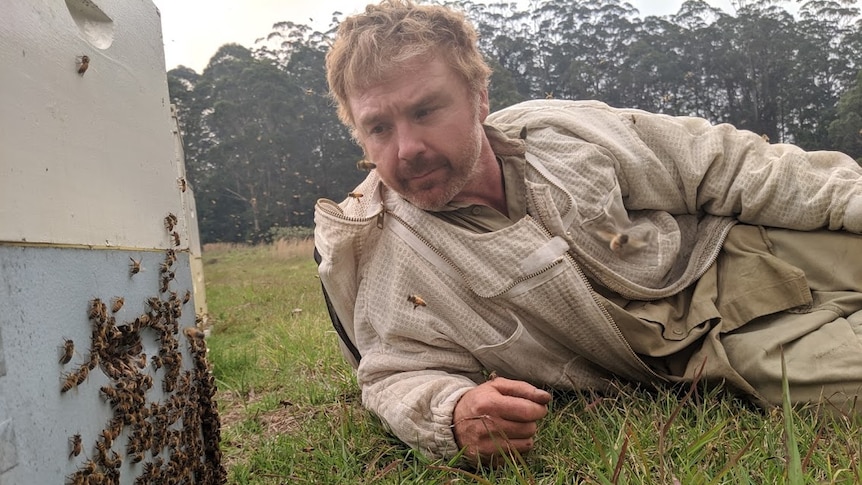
[117,304]
[76,479]
[355,195]
[170,221]
[83,64]
[143,320]
[114,462]
[157,362]
[617,241]
[187,297]
[134,266]
[93,361]
[83,373]
[193,333]
[141,361]
[68,350]
[176,237]
[98,310]
[365,165]
[69,381]
[416,300]
[75,440]
[115,427]
[108,437]
[181,182]
[102,448]
[154,303]
[170,256]
[89,468]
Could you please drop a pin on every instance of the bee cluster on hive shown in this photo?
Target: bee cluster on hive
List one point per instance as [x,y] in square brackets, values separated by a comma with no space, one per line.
[174,440]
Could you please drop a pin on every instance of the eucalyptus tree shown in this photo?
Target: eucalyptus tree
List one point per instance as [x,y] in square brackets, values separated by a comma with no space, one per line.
[845,132]
[507,42]
[251,106]
[322,152]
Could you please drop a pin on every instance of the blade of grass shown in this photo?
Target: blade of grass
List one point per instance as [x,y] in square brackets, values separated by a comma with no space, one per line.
[794,461]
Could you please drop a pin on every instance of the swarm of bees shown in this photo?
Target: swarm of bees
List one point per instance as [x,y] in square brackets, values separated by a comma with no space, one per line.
[176,438]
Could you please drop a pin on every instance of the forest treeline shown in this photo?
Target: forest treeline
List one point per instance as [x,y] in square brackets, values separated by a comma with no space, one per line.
[262,141]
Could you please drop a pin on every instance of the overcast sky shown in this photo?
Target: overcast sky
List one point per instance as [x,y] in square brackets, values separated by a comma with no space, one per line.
[194,29]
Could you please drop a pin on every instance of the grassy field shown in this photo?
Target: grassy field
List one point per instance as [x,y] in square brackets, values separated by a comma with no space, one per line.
[291,413]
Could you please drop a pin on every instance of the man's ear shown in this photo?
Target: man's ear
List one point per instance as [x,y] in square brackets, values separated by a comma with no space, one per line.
[484,106]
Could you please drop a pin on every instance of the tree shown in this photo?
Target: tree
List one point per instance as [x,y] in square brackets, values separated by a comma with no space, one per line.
[845,132]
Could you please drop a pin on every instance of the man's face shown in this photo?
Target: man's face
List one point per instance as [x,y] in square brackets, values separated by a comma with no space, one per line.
[423,130]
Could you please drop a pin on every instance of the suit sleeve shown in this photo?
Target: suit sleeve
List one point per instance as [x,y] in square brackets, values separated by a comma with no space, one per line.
[685,165]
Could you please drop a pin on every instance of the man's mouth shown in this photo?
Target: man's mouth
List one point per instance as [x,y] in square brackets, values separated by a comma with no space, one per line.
[418,177]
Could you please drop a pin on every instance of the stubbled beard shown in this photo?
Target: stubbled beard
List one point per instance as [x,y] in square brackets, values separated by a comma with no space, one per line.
[433,202]
[454,184]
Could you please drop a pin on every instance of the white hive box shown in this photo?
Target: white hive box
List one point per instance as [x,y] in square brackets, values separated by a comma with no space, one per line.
[90,169]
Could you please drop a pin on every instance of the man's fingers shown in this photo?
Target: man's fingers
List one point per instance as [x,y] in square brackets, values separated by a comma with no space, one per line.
[499,426]
[507,399]
[521,389]
[493,450]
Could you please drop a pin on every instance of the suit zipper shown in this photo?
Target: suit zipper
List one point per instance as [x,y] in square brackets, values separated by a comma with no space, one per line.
[595,298]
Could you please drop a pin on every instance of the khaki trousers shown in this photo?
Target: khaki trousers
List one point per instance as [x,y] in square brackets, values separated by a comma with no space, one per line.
[822,342]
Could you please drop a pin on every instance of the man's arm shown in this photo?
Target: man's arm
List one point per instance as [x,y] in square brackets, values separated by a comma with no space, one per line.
[685,165]
[440,412]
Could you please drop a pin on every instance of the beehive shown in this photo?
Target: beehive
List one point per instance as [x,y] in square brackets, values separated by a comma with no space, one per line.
[103,372]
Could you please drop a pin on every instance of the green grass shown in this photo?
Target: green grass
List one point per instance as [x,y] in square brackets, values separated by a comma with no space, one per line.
[291,411]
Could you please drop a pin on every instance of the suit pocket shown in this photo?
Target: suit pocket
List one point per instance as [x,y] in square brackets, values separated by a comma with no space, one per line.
[521,356]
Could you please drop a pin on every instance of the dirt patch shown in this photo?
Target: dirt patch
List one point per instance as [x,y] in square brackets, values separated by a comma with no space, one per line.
[281,420]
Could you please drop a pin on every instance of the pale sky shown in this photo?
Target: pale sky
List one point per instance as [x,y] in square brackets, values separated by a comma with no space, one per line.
[193,30]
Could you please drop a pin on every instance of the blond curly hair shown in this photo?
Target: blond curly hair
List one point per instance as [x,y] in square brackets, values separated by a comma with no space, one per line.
[370,45]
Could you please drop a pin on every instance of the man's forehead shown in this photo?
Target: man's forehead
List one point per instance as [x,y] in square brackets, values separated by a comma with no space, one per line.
[413,85]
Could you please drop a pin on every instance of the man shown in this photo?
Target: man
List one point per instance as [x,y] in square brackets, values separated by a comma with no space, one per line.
[569,245]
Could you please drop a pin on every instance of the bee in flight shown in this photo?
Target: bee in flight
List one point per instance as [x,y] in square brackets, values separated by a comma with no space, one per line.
[365,165]
[617,241]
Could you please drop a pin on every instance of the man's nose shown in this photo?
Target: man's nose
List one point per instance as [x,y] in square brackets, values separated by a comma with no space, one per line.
[410,142]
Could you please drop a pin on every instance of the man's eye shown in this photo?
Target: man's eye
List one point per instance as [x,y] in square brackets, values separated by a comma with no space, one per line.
[376,130]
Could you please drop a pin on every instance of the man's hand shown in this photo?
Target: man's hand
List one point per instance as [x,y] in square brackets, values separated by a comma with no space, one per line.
[498,417]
